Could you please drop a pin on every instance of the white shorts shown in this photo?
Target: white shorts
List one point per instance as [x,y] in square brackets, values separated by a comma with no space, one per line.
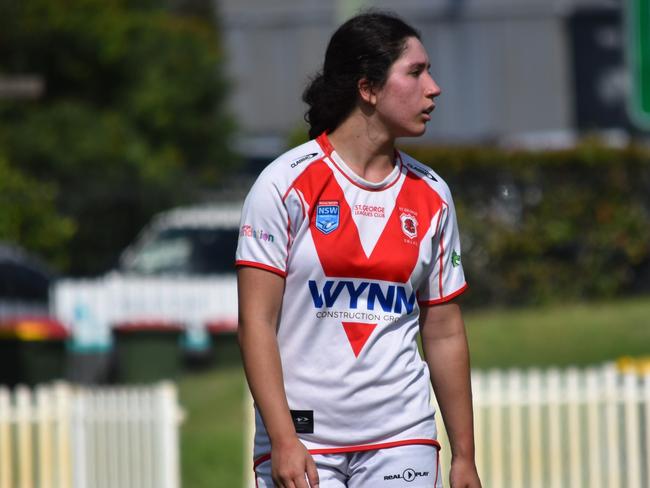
[413,466]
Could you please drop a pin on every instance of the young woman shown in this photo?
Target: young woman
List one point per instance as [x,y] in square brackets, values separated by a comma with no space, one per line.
[348,248]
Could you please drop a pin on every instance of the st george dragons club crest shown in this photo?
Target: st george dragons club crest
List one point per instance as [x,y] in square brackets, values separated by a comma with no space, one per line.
[409,225]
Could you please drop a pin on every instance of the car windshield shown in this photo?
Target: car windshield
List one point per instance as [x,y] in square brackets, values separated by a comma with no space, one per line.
[186,251]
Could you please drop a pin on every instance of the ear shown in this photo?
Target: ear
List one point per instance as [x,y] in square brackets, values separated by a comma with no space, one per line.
[367,91]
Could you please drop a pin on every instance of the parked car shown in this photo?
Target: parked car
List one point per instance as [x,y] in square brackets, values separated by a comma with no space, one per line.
[24,282]
[186,241]
[178,275]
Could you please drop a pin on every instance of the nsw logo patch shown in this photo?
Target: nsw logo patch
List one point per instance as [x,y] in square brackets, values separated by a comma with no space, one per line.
[327,216]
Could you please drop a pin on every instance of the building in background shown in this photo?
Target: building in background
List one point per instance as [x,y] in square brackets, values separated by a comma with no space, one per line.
[533,72]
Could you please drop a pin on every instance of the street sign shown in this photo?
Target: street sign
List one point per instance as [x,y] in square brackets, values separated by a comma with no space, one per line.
[638,60]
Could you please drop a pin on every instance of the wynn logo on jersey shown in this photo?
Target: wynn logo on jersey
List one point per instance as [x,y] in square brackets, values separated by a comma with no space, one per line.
[327,216]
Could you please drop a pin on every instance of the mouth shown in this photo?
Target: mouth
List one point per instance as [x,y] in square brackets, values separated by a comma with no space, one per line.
[427,112]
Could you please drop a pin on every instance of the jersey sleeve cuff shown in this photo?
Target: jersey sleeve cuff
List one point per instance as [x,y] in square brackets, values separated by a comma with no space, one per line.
[444,299]
[266,267]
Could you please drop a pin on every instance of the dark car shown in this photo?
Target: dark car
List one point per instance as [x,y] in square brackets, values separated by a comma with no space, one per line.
[24,282]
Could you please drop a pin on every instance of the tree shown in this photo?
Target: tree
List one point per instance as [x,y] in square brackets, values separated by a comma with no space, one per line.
[133,117]
[28,215]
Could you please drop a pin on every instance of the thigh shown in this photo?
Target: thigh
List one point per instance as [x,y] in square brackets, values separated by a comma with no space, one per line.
[332,471]
[415,466]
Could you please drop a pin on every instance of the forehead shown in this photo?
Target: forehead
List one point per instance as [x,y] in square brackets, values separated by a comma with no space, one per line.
[413,53]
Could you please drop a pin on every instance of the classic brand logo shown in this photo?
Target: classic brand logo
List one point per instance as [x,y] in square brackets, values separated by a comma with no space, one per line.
[302,159]
[422,171]
[409,225]
[327,216]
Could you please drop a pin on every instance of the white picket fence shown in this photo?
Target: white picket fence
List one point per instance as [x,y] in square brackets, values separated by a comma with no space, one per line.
[555,428]
[59,436]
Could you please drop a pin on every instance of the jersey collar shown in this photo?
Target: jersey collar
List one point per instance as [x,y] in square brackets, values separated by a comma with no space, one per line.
[357,180]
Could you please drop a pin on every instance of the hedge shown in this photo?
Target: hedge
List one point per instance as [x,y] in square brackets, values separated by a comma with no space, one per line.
[543,226]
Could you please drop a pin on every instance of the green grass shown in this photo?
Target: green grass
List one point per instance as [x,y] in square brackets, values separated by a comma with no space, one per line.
[581,334]
[212,434]
[560,335]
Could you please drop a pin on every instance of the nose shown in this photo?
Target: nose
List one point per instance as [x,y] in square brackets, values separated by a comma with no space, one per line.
[432,88]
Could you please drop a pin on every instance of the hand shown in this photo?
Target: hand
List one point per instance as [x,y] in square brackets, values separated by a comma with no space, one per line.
[463,474]
[290,462]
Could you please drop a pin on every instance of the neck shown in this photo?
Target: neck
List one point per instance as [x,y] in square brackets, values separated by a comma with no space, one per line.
[369,152]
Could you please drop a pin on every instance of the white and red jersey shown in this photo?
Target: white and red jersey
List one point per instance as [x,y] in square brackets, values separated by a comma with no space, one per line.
[359,259]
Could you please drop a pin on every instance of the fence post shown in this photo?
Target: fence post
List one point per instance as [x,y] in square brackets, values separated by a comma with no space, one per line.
[495,390]
[646,401]
[24,429]
[536,453]
[62,408]
[594,428]
[79,427]
[575,456]
[249,430]
[169,419]
[611,420]
[478,381]
[555,397]
[44,419]
[632,448]
[6,458]
[515,396]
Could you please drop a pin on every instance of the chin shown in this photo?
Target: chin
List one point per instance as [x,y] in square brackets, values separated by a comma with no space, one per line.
[415,132]
[410,131]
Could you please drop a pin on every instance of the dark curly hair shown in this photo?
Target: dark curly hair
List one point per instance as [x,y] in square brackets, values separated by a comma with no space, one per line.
[363,47]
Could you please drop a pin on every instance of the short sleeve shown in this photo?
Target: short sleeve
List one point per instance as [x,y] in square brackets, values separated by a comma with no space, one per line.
[263,231]
[446,279]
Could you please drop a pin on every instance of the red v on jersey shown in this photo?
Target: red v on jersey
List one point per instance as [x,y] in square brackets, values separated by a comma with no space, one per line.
[340,251]
[358,334]
[337,240]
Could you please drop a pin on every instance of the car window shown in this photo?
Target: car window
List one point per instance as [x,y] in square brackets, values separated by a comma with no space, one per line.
[186,251]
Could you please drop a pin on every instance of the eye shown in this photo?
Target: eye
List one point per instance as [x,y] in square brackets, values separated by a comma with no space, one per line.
[417,69]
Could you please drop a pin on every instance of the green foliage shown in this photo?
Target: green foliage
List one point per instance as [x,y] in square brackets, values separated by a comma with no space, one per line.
[133,117]
[28,215]
[547,226]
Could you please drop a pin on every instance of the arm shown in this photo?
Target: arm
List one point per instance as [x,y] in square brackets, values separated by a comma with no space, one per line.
[260,298]
[445,350]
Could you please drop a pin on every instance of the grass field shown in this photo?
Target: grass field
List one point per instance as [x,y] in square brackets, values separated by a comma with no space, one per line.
[579,334]
[212,435]
[582,334]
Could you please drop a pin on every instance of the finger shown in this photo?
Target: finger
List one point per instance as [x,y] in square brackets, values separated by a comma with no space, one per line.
[279,483]
[300,482]
[312,473]
[282,483]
